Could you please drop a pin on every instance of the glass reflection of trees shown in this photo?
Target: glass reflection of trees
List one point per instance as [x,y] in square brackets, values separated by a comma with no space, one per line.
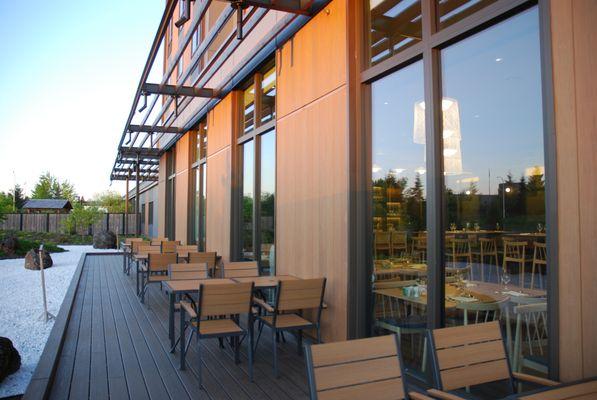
[397,206]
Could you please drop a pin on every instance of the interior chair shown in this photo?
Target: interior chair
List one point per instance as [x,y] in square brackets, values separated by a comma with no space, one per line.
[398,245]
[514,252]
[358,369]
[382,243]
[286,312]
[466,356]
[218,316]
[487,251]
[539,262]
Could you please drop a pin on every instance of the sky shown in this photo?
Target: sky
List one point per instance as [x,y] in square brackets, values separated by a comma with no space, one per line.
[68,75]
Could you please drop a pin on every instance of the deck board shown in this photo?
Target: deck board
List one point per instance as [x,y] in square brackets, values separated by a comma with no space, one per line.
[118,348]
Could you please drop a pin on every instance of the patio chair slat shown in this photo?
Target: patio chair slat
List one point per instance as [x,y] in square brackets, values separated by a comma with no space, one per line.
[390,389]
[475,374]
[458,336]
[354,350]
[474,354]
[339,375]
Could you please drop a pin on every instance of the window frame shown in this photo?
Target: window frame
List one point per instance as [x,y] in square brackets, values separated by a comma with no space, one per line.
[428,50]
[197,235]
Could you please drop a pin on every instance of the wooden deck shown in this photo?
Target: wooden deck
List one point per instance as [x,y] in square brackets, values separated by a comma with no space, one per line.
[115,347]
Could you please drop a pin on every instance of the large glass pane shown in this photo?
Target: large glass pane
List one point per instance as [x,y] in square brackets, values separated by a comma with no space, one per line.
[267,206]
[197,207]
[247,200]
[268,96]
[495,185]
[452,11]
[203,207]
[394,26]
[399,202]
[249,109]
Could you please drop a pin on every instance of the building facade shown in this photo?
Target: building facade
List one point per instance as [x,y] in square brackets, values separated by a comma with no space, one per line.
[447,143]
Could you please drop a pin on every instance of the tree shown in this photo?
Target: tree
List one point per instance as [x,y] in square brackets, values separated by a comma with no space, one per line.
[19,197]
[110,200]
[5,205]
[81,218]
[49,187]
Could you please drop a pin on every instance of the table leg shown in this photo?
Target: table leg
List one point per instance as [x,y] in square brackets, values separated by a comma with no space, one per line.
[171,319]
[182,338]
[137,267]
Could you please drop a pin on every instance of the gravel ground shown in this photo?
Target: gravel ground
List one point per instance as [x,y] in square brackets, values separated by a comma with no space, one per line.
[21,308]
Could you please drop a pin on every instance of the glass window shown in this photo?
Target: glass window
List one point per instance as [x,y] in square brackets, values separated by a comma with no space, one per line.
[150,218]
[195,41]
[399,203]
[394,26]
[268,96]
[170,194]
[267,204]
[450,11]
[200,205]
[495,182]
[180,68]
[249,109]
[200,150]
[203,208]
[248,182]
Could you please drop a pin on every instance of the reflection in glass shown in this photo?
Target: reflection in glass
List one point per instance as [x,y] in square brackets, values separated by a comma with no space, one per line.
[249,109]
[267,206]
[395,26]
[203,207]
[452,11]
[495,198]
[268,96]
[399,220]
[202,140]
[248,163]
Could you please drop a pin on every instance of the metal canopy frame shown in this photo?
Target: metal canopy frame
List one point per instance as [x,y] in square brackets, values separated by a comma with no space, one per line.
[143,141]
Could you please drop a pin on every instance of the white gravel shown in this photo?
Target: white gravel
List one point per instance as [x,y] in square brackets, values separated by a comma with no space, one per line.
[21,308]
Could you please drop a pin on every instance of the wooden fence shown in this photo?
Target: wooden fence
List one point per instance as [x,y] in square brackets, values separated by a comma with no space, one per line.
[45,222]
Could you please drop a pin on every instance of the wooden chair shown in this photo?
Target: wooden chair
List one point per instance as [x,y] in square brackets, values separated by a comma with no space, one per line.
[358,369]
[188,271]
[186,249]
[207,321]
[398,243]
[156,270]
[286,314]
[459,249]
[382,242]
[138,243]
[539,261]
[465,356]
[487,250]
[204,257]
[158,241]
[514,252]
[419,247]
[483,311]
[531,328]
[127,253]
[143,248]
[240,269]
[170,246]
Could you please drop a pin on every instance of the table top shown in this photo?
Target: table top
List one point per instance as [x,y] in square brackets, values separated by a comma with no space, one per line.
[580,390]
[266,281]
[192,285]
[482,291]
[403,269]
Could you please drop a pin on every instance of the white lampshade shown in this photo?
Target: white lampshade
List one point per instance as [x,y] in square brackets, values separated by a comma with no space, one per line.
[451,133]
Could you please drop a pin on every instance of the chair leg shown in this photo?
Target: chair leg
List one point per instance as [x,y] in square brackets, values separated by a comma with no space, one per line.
[236,342]
[221,341]
[299,343]
[199,361]
[275,352]
[251,349]
[318,334]
[181,339]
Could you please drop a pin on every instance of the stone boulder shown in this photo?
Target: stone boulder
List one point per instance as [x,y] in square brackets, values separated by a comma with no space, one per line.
[32,259]
[104,240]
[9,245]
[10,359]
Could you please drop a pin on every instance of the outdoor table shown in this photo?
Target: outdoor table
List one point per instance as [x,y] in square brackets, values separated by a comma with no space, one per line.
[580,390]
[177,288]
[266,281]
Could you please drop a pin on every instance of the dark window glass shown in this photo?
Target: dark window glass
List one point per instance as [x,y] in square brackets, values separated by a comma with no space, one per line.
[142,216]
[248,163]
[195,42]
[394,26]
[268,96]
[495,184]
[203,207]
[249,109]
[399,203]
[150,218]
[267,205]
[452,11]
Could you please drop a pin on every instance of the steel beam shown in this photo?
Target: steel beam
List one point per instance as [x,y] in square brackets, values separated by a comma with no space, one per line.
[176,90]
[155,129]
[302,7]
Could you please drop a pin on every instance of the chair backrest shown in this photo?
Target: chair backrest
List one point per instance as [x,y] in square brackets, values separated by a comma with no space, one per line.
[540,253]
[399,238]
[382,237]
[460,246]
[169,246]
[186,248]
[487,245]
[158,262]
[130,240]
[225,299]
[137,243]
[240,269]
[300,294]
[188,271]
[469,355]
[147,248]
[514,251]
[420,242]
[204,257]
[356,369]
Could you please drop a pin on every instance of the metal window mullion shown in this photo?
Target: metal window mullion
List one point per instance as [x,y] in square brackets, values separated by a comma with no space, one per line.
[257,200]
[434,167]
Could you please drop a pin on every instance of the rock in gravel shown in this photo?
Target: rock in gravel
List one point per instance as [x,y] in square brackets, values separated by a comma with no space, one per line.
[10,359]
[32,259]
[9,245]
[104,240]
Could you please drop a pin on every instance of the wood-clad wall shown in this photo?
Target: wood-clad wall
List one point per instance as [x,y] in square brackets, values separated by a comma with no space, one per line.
[220,122]
[312,160]
[182,186]
[574,58]
[162,197]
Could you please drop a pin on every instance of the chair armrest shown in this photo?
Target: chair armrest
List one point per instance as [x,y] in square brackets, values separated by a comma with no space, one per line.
[418,396]
[324,306]
[261,303]
[438,394]
[534,379]
[188,308]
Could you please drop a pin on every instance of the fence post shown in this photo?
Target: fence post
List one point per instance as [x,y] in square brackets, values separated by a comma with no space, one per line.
[21,222]
[48,222]
[107,221]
